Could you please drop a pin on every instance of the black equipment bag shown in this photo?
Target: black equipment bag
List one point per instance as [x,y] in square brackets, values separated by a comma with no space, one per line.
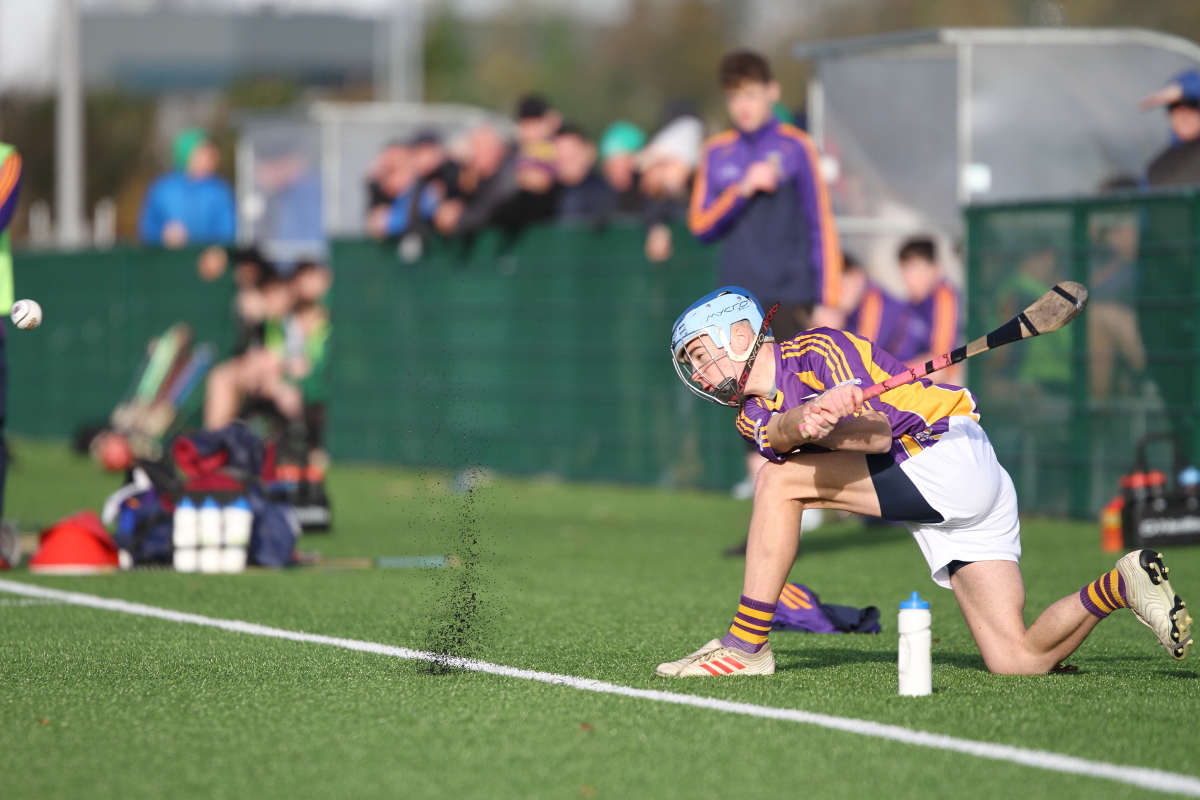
[1164,515]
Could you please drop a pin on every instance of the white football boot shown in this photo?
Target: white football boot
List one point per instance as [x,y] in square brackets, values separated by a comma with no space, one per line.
[716,660]
[1149,596]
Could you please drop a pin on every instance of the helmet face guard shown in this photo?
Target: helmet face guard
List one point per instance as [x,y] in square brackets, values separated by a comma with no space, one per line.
[686,366]
[714,316]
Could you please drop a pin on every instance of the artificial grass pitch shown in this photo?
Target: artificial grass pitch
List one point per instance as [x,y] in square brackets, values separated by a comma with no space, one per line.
[595,581]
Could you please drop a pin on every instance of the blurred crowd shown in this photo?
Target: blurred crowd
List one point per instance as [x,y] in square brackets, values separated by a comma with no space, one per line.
[549,169]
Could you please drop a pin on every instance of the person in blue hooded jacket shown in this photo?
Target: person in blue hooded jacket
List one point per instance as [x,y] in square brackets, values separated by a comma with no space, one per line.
[191,204]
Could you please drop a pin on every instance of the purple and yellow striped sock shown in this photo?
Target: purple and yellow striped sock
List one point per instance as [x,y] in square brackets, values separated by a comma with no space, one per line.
[1104,595]
[750,626]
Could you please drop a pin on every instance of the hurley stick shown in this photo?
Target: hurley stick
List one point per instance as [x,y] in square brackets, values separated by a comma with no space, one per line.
[1050,312]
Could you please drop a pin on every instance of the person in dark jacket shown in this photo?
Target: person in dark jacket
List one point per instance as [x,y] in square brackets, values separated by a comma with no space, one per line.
[486,182]
[1179,164]
[584,194]
[759,187]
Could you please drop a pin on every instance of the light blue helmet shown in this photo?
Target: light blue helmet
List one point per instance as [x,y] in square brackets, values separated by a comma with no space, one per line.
[715,314]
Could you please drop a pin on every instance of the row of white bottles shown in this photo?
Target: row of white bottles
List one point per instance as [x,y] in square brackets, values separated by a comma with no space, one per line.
[210,538]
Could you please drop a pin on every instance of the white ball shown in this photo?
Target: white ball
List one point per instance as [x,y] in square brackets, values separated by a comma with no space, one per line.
[26,314]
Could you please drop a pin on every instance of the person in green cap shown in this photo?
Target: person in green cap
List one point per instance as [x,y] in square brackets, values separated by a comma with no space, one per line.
[10,183]
[191,204]
[618,149]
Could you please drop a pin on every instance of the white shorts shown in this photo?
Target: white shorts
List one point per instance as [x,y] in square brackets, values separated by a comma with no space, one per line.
[961,478]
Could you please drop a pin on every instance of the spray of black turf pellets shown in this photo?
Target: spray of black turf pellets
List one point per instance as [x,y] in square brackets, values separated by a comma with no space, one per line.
[461,621]
[464,609]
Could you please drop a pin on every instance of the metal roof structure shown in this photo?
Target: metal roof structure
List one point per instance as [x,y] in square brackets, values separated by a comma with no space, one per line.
[916,124]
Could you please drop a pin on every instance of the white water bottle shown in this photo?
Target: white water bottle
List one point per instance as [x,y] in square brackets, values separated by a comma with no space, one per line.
[183,536]
[209,523]
[183,532]
[916,641]
[238,520]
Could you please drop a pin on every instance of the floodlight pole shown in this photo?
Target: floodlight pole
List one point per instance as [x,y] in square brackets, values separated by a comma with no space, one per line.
[406,57]
[68,129]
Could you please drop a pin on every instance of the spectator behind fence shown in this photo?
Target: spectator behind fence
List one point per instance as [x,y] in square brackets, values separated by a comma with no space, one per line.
[537,125]
[486,181]
[1179,164]
[1112,319]
[286,174]
[391,175]
[1043,363]
[618,152]
[760,188]
[584,194]
[666,165]
[871,312]
[192,203]
[414,207]
[934,319]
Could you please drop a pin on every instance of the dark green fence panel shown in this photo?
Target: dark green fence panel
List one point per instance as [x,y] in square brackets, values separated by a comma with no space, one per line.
[545,355]
[1065,411]
[101,309]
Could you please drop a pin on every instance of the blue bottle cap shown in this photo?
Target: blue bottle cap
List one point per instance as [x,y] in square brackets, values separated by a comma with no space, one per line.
[209,503]
[185,503]
[240,503]
[915,602]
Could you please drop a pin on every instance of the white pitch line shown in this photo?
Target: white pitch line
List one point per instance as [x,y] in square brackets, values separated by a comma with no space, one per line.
[1153,779]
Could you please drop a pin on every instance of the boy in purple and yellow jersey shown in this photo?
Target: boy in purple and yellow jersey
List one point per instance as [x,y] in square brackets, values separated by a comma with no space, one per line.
[934,318]
[872,313]
[916,455]
[759,187]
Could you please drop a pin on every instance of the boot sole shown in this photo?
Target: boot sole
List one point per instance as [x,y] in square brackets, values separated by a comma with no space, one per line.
[1180,641]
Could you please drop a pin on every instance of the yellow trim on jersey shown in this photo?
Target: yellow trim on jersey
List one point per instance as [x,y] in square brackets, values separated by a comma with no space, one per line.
[810,379]
[930,403]
[835,359]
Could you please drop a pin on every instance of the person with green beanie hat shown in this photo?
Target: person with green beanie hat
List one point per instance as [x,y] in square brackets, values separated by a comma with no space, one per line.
[618,149]
[191,204]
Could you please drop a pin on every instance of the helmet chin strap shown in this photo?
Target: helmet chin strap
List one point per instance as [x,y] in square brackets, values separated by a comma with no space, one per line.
[731,393]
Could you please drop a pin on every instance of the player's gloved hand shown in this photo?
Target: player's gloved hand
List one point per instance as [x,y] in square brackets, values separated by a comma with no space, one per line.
[819,415]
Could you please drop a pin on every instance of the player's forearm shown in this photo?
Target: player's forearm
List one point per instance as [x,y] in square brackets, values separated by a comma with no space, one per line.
[869,433]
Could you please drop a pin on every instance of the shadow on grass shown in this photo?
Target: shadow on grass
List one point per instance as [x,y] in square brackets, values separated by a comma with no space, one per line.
[1179,673]
[824,657]
[819,657]
[862,536]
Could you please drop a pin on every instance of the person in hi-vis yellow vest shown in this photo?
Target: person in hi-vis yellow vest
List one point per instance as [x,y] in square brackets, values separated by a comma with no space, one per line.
[10,182]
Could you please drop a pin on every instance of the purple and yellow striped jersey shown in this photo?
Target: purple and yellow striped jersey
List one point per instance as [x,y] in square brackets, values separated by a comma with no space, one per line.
[887,322]
[10,183]
[820,359]
[934,324]
[796,259]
